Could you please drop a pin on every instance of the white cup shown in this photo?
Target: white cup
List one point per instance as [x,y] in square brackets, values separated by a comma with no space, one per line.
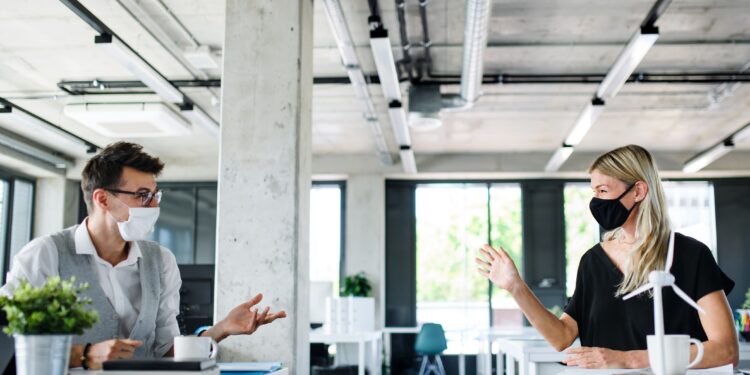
[194,347]
[676,354]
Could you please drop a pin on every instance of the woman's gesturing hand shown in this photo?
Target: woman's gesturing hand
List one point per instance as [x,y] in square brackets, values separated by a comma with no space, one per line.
[496,265]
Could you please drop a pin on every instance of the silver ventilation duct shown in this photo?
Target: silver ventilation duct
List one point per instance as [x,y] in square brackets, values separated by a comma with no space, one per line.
[475,42]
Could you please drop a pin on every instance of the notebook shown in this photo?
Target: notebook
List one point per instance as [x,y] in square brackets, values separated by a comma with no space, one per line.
[248,367]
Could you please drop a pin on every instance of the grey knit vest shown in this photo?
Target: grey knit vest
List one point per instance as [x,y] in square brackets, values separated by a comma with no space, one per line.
[82,267]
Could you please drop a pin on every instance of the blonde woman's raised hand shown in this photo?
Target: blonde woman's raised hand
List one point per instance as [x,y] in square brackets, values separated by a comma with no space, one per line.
[496,265]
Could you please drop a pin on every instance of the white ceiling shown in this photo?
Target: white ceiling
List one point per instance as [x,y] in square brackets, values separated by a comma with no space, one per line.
[42,42]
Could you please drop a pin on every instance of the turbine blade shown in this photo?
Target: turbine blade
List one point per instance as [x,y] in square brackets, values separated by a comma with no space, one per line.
[638,291]
[687,299]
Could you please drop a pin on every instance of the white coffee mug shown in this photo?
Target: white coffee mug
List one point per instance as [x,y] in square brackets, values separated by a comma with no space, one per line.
[194,347]
[676,354]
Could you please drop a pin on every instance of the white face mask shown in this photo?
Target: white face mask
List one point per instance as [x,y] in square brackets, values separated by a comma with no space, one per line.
[140,224]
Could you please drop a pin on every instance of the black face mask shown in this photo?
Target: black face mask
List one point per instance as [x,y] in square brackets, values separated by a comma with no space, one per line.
[610,213]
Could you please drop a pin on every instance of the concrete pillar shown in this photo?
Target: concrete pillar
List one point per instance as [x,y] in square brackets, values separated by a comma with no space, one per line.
[264,175]
[56,205]
[365,234]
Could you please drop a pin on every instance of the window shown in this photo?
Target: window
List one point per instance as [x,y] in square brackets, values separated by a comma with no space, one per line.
[506,231]
[453,222]
[16,217]
[326,233]
[326,245]
[187,222]
[581,229]
[692,210]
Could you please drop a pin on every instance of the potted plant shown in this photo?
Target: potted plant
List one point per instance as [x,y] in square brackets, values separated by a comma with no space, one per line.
[356,286]
[356,312]
[43,321]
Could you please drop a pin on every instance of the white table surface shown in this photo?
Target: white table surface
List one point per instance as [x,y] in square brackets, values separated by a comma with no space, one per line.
[532,354]
[489,336]
[723,370]
[320,336]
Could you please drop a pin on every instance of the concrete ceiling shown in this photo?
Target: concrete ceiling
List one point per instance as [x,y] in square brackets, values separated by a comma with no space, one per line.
[42,43]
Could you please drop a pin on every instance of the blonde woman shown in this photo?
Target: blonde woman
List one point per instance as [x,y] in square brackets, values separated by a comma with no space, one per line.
[629,203]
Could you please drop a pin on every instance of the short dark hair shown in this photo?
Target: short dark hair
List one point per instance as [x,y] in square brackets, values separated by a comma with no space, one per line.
[104,170]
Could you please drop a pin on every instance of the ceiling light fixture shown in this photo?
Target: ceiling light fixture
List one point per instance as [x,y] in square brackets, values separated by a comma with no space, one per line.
[200,119]
[129,120]
[558,158]
[640,43]
[584,122]
[384,62]
[139,67]
[43,131]
[399,123]
[707,157]
[407,160]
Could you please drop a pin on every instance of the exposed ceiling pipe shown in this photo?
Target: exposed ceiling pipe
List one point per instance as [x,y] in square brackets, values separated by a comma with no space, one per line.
[406,63]
[110,87]
[349,59]
[475,41]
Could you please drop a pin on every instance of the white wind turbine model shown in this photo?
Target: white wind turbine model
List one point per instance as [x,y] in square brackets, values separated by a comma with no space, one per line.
[657,281]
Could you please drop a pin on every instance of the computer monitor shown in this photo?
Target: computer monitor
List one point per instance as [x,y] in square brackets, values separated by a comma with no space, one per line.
[196,297]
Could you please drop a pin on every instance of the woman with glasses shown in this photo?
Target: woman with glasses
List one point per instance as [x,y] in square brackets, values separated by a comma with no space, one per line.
[629,204]
[135,283]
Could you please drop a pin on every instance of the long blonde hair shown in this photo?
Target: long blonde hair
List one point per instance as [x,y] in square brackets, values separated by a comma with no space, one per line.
[630,164]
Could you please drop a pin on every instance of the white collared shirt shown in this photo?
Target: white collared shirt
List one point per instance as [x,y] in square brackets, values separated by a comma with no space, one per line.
[38,260]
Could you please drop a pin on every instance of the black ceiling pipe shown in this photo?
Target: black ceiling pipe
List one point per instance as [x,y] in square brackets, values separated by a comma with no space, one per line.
[103,87]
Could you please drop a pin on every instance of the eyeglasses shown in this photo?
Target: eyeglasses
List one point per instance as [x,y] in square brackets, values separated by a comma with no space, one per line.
[146,196]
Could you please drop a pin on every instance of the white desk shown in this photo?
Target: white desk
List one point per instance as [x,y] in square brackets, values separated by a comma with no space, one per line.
[723,370]
[489,336]
[319,336]
[534,356]
[537,357]
[744,351]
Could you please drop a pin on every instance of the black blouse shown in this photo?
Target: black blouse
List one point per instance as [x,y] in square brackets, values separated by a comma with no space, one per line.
[609,322]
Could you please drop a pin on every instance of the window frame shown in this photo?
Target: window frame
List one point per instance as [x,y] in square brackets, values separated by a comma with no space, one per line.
[11,177]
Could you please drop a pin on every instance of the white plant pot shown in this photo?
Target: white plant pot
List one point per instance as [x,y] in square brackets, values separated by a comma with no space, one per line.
[42,354]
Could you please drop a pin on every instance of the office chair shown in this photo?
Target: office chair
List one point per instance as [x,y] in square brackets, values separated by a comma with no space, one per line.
[431,342]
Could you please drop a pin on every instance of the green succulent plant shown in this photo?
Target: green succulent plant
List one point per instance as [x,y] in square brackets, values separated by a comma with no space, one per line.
[356,286]
[53,308]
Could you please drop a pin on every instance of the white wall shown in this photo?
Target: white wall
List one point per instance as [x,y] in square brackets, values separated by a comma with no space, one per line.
[365,234]
[56,205]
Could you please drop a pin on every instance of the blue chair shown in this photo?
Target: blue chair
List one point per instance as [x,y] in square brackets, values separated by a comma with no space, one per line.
[431,342]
